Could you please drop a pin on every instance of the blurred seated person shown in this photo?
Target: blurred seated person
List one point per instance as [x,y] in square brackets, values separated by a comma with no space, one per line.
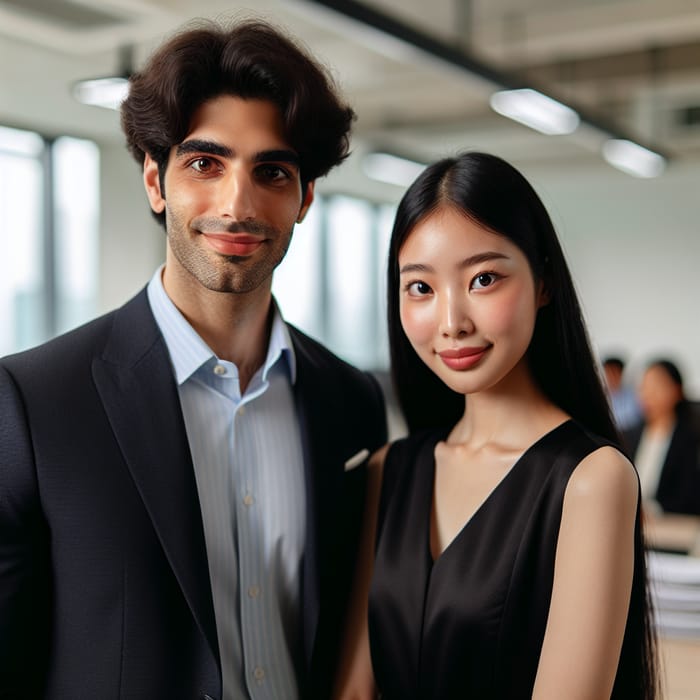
[666,445]
[623,399]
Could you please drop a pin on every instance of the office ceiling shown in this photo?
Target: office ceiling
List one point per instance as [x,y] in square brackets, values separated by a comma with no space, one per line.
[631,64]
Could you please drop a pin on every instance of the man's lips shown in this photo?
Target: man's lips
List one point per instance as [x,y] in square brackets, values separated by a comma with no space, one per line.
[463,358]
[240,244]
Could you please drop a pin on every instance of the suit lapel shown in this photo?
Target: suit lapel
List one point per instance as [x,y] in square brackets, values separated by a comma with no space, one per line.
[327,445]
[135,381]
[320,454]
[312,436]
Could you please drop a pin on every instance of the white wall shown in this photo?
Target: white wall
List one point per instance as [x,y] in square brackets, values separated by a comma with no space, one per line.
[132,244]
[634,249]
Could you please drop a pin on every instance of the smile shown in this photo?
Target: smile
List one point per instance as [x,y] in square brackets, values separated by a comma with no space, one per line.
[234,244]
[463,358]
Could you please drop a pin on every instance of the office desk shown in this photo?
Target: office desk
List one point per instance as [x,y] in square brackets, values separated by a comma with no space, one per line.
[680,668]
[673,533]
[680,658]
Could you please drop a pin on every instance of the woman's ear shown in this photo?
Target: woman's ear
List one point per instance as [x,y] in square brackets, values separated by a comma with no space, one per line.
[151,181]
[543,294]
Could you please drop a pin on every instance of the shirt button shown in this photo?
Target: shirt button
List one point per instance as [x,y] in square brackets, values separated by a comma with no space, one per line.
[219,369]
[241,411]
[248,500]
[259,674]
[253,591]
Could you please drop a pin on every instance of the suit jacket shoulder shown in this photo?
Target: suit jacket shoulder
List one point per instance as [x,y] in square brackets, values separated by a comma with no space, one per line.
[347,388]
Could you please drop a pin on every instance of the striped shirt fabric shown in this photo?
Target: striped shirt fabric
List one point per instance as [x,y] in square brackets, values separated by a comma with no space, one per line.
[249,470]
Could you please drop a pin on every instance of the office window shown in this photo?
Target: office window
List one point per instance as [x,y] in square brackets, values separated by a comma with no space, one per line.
[351,280]
[332,282]
[298,282]
[76,205]
[23,318]
[384,222]
[49,233]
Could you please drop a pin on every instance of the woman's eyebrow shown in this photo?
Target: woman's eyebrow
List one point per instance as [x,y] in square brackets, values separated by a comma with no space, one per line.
[482,258]
[467,262]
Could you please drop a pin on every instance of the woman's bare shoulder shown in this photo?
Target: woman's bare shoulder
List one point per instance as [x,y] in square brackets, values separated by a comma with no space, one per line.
[604,479]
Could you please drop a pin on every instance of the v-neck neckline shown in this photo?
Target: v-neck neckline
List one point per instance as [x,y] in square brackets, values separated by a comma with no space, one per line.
[489,497]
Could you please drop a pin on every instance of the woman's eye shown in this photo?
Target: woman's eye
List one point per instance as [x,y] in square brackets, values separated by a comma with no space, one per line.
[485,279]
[418,289]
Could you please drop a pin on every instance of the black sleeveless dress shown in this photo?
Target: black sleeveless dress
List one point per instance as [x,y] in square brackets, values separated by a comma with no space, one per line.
[470,624]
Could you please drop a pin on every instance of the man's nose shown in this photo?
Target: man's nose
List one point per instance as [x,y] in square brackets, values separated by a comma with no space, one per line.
[237,196]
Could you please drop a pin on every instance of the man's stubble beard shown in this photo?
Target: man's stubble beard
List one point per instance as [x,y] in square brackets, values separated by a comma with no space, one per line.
[222,273]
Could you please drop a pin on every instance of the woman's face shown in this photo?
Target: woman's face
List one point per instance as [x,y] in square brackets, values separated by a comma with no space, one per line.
[658,393]
[468,301]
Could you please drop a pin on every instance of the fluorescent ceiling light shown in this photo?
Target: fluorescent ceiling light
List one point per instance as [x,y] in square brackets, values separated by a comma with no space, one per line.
[391,169]
[535,110]
[102,92]
[632,158]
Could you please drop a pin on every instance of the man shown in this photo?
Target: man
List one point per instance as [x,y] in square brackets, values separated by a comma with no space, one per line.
[179,486]
[623,400]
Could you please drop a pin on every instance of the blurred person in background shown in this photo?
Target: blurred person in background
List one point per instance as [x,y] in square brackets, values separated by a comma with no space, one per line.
[182,481]
[666,446]
[623,398]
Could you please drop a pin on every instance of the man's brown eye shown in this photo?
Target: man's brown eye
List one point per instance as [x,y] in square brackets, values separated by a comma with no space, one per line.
[201,164]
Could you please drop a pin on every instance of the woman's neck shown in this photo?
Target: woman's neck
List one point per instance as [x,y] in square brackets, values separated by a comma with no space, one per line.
[512,415]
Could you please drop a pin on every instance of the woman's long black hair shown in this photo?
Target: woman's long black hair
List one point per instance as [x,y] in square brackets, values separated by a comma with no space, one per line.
[494,194]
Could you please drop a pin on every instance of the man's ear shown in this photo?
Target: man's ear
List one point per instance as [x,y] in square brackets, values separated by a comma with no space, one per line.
[308,199]
[151,181]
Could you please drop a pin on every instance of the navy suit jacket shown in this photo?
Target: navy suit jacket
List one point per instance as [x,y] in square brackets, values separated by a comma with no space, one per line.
[104,583]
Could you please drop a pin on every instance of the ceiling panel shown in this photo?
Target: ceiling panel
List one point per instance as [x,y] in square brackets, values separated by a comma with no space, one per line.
[633,62]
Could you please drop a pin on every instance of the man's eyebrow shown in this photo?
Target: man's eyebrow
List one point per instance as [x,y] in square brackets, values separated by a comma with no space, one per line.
[213,148]
[202,146]
[280,155]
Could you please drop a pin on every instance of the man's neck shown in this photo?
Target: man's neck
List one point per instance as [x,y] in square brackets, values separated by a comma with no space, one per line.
[235,326]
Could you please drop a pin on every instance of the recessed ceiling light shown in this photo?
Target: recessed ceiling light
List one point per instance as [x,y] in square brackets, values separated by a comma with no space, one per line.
[102,92]
[535,110]
[632,158]
[391,169]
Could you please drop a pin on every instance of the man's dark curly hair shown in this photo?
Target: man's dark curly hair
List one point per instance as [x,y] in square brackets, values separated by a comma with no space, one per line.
[250,59]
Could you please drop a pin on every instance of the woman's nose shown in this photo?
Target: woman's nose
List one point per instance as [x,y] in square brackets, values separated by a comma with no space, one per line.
[454,315]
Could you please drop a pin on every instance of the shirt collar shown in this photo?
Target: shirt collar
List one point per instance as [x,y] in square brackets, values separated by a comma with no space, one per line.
[188,351]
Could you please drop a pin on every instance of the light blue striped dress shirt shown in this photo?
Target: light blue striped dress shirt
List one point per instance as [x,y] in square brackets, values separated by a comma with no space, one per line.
[249,470]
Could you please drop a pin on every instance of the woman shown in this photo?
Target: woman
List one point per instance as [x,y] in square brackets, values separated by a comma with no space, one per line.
[666,447]
[509,559]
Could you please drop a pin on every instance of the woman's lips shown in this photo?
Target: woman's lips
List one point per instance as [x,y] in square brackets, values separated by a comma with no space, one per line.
[463,358]
[234,244]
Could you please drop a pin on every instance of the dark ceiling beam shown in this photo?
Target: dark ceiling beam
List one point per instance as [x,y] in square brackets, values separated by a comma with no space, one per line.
[457,57]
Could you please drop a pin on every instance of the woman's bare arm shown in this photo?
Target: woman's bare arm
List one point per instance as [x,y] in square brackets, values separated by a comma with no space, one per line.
[355,679]
[592,581]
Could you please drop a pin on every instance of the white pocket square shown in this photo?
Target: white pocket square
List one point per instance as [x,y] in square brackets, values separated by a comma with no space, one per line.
[356,460]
